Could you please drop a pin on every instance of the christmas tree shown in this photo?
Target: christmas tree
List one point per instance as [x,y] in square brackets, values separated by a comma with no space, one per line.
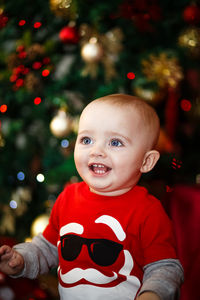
[58,55]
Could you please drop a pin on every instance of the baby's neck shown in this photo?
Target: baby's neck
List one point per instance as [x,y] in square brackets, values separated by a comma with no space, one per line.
[111,193]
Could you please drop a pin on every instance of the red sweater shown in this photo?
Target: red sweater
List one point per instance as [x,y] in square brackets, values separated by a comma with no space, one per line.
[106,241]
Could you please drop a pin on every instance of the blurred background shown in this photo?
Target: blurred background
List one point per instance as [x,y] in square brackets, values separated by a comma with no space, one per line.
[58,55]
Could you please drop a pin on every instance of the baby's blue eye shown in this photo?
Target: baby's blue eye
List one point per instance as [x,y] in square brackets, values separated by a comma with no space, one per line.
[86,141]
[116,143]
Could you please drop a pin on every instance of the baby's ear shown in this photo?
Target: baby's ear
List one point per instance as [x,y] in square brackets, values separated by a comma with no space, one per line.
[150,159]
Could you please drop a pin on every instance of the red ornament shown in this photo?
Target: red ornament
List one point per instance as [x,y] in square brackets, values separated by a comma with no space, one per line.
[143,13]
[19,82]
[69,35]
[3,20]
[22,54]
[20,48]
[37,65]
[191,14]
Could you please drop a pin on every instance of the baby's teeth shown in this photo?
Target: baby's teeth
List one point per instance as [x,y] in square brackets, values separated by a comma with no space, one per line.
[97,166]
[99,171]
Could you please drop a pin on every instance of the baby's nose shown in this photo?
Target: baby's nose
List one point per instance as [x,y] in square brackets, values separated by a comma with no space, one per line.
[98,150]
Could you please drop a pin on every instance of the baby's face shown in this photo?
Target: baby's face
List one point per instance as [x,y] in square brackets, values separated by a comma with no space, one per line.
[110,148]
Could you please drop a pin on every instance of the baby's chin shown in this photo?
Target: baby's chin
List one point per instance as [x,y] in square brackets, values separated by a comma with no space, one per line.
[109,192]
[104,191]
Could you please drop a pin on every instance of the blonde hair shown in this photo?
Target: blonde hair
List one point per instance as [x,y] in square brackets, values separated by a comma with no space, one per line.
[147,113]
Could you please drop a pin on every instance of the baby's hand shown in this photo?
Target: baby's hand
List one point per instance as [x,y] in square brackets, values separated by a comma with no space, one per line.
[11,262]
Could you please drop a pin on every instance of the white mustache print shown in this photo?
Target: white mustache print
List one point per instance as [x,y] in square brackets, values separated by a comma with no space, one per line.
[90,275]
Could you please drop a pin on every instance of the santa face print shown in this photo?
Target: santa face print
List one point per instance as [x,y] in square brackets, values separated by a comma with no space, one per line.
[102,262]
[102,251]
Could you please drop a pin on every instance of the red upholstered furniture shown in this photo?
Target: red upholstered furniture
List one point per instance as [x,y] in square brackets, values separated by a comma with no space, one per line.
[184,209]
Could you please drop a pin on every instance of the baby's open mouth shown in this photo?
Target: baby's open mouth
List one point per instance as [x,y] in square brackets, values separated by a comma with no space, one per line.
[99,168]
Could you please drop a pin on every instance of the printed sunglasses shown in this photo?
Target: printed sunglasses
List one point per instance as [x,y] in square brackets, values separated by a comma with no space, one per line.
[102,251]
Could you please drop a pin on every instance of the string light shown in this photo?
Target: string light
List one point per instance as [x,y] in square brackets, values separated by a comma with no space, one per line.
[64,143]
[37,25]
[40,177]
[45,73]
[131,75]
[20,176]
[3,108]
[22,22]
[37,100]
[186,105]
[13,204]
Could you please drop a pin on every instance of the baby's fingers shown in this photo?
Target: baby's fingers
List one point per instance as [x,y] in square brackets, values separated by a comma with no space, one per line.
[11,262]
[5,253]
[4,249]
[15,261]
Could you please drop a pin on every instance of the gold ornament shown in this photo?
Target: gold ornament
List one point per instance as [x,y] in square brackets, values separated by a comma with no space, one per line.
[61,124]
[163,69]
[149,95]
[92,51]
[39,224]
[190,40]
[100,48]
[63,8]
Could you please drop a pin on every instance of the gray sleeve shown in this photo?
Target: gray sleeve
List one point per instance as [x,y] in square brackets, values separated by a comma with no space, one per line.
[39,257]
[163,277]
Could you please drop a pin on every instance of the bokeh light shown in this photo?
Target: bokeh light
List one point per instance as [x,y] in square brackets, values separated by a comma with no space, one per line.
[37,65]
[20,176]
[186,105]
[64,143]
[19,82]
[131,75]
[13,204]
[22,22]
[45,73]
[37,25]
[37,100]
[3,108]
[40,177]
